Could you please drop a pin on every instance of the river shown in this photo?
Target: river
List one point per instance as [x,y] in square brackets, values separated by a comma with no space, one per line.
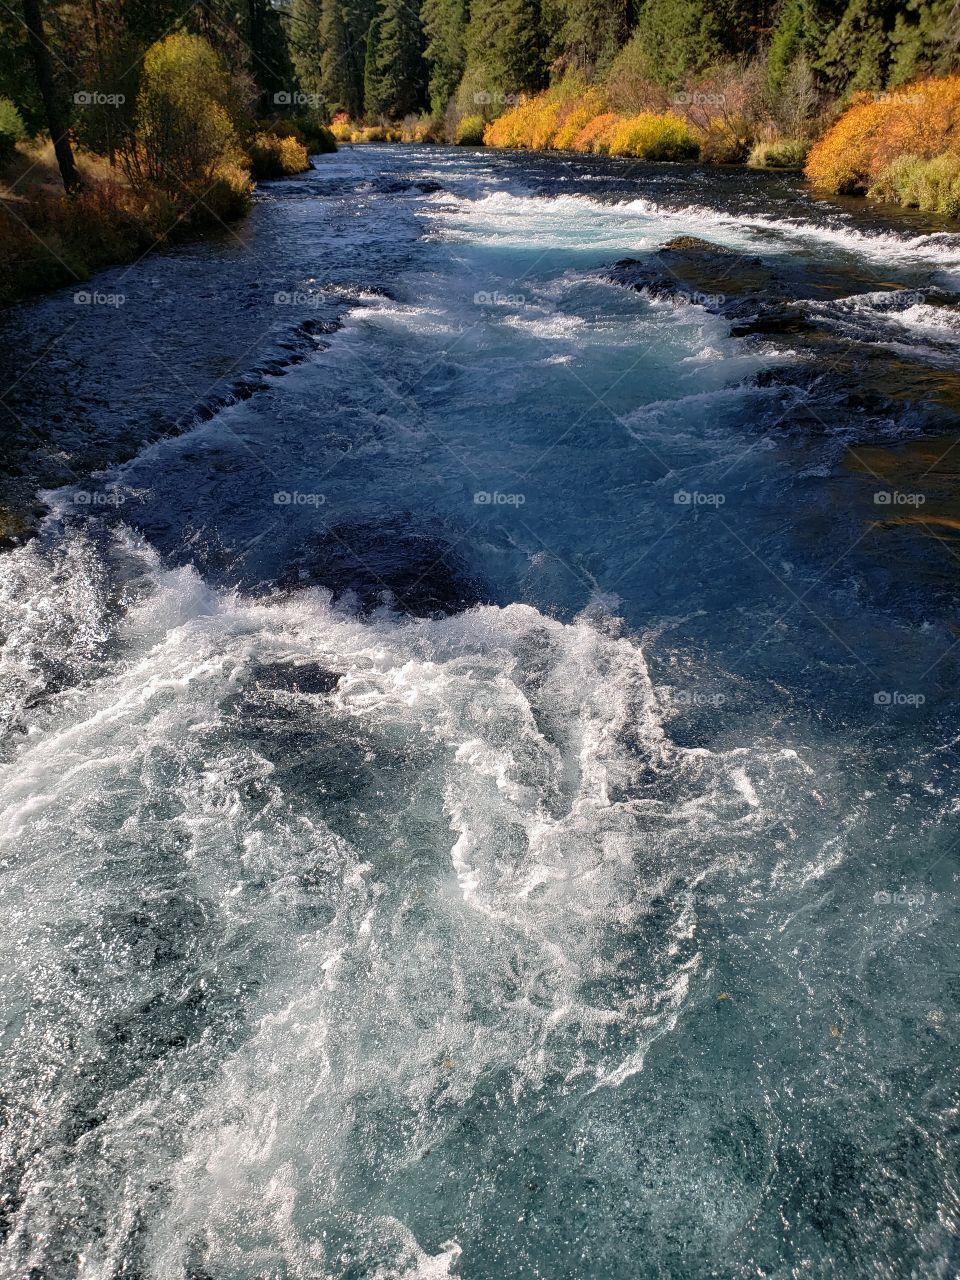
[478,796]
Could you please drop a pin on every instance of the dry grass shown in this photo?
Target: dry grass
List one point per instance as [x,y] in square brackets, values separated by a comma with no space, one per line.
[784,153]
[49,239]
[930,185]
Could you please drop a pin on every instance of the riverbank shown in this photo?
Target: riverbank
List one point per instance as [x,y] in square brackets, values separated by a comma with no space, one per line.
[901,146]
[51,240]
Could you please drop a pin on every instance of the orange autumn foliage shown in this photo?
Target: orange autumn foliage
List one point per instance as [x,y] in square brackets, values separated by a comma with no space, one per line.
[920,119]
[595,136]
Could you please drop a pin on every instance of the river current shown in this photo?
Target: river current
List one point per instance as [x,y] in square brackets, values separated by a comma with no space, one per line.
[479,787]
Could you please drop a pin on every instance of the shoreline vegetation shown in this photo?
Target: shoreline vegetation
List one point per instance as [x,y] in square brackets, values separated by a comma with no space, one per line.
[184,163]
[122,129]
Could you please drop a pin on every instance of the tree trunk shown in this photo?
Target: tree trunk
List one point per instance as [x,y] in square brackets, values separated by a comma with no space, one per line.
[98,39]
[56,118]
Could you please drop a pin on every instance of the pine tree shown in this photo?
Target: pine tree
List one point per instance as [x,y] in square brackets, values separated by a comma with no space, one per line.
[594,31]
[374,99]
[269,60]
[692,35]
[306,44]
[925,38]
[789,41]
[343,29]
[401,73]
[857,52]
[445,28]
[505,45]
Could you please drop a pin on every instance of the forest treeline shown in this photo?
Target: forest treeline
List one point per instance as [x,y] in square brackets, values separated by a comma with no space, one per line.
[459,58]
[448,62]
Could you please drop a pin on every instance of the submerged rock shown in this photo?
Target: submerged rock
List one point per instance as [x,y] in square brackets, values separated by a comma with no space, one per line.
[392,562]
[296,677]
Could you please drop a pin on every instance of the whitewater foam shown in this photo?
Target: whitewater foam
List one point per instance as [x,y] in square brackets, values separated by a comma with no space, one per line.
[357,962]
[640,223]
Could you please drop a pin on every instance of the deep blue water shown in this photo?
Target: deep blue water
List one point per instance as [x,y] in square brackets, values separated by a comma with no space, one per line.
[479,792]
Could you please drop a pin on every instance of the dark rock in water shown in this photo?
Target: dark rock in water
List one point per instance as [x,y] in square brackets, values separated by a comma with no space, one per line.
[749,316]
[692,270]
[396,562]
[400,186]
[688,244]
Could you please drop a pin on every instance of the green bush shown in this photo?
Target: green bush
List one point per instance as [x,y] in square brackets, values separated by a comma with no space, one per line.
[930,185]
[12,130]
[187,113]
[785,153]
[470,132]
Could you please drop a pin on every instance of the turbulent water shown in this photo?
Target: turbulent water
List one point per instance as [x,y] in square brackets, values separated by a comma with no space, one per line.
[479,788]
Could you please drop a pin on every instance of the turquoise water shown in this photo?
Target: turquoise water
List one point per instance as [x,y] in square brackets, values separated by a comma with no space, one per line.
[479,797]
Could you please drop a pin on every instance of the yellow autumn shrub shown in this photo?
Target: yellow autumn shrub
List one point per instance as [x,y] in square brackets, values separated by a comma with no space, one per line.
[649,136]
[577,116]
[275,157]
[547,121]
